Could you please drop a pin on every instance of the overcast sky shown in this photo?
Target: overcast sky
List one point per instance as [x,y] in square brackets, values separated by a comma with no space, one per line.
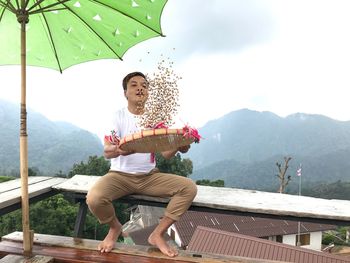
[283,56]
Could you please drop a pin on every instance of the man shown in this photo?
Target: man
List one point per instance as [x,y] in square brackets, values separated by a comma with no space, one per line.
[135,173]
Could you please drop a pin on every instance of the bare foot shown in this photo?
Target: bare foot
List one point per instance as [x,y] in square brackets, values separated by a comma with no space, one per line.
[158,241]
[109,242]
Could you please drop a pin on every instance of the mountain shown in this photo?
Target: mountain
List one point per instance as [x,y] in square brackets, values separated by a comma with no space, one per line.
[243,147]
[52,146]
[261,175]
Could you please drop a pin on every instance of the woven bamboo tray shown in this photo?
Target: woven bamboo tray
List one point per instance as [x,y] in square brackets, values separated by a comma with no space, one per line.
[155,140]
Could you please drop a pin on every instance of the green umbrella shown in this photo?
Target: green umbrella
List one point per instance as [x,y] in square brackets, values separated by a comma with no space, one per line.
[60,33]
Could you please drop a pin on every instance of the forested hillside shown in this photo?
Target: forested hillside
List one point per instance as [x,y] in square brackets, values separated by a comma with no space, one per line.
[52,146]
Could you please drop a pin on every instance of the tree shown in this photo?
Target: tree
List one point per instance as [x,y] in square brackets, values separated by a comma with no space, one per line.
[60,174]
[33,171]
[175,165]
[95,166]
[340,236]
[282,174]
[217,183]
[54,215]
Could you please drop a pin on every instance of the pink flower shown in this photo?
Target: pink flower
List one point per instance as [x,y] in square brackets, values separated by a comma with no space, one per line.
[190,132]
[113,138]
[160,125]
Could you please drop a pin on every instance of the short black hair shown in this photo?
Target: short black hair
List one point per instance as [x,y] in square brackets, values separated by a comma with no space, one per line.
[131,75]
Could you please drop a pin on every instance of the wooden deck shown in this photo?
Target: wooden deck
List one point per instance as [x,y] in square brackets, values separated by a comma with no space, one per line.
[76,250]
[213,199]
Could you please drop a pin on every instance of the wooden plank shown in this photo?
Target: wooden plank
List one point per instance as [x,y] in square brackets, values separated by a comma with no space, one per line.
[16,183]
[77,184]
[272,203]
[67,249]
[12,259]
[232,199]
[73,255]
[36,189]
[23,259]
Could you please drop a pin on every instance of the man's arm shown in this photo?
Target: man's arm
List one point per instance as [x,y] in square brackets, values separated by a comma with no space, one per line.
[168,154]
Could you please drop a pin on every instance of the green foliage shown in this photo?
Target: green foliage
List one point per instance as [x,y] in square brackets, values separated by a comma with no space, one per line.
[337,190]
[6,178]
[94,166]
[33,171]
[216,183]
[327,238]
[10,222]
[54,215]
[175,165]
[336,237]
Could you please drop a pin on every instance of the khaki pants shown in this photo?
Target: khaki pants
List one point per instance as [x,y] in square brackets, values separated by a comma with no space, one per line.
[115,185]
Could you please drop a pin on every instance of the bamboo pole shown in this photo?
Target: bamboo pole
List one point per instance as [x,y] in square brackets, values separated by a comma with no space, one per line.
[27,234]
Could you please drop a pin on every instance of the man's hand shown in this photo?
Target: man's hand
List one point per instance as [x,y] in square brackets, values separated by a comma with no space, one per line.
[124,153]
[113,151]
[168,154]
[184,149]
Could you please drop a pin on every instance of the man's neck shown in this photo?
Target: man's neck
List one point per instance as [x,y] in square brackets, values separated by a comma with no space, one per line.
[136,109]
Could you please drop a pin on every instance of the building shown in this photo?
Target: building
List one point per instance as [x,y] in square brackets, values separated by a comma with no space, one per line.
[212,241]
[281,231]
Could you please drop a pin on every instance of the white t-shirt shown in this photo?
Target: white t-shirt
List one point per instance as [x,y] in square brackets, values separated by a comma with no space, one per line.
[125,123]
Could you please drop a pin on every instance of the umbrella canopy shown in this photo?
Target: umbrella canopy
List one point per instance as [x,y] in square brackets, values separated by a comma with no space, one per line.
[60,33]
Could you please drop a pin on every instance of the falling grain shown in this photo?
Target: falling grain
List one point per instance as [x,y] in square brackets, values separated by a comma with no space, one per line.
[162,103]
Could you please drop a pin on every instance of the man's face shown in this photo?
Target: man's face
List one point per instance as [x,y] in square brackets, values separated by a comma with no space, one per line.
[137,90]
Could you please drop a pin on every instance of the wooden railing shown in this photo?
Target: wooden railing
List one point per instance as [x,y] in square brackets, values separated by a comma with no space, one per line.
[209,199]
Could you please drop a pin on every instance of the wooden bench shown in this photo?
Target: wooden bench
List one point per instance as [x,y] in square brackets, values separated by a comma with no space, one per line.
[77,250]
[229,201]
[38,188]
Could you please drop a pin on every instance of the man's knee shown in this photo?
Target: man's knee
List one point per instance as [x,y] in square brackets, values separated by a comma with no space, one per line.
[95,199]
[191,189]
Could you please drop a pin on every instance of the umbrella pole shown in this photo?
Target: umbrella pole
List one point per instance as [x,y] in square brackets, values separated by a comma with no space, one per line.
[27,233]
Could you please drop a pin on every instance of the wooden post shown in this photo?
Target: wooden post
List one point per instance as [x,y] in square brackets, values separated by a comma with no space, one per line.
[27,234]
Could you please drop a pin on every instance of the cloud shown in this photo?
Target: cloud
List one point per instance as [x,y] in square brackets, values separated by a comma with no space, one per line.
[216,26]
[281,56]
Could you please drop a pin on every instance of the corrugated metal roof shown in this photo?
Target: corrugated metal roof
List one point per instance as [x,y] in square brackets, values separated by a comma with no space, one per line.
[246,225]
[208,240]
